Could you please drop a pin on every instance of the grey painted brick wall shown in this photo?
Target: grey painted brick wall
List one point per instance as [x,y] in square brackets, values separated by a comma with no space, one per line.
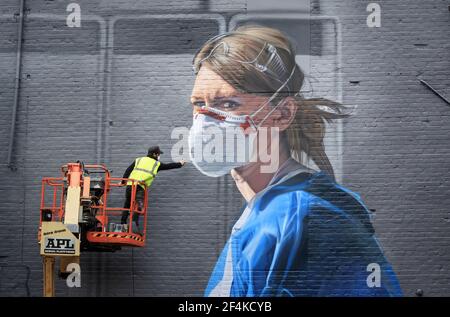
[105,91]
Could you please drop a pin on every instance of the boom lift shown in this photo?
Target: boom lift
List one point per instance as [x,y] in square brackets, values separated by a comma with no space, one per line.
[75,217]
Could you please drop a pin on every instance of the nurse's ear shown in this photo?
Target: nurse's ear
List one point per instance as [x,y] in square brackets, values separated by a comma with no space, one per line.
[285,113]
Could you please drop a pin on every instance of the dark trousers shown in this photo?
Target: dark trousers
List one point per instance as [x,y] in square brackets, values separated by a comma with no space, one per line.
[140,194]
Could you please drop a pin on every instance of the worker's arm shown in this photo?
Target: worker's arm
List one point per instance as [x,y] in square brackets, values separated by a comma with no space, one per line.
[169,166]
[128,172]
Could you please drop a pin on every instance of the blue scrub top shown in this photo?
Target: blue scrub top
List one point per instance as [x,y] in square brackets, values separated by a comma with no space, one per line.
[305,236]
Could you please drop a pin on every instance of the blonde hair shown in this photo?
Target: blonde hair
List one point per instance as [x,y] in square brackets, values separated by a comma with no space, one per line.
[306,132]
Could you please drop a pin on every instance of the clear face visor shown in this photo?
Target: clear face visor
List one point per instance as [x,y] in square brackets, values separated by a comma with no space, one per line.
[273,66]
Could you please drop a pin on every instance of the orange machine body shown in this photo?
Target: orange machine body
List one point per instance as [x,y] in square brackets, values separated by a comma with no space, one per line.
[98,215]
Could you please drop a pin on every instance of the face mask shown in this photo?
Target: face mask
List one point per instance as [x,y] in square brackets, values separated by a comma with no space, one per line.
[216,147]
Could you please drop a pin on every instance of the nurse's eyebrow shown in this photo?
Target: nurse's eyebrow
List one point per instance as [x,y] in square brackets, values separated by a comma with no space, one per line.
[231,96]
[216,99]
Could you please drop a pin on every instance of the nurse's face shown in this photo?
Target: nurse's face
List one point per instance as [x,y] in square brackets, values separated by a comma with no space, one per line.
[212,91]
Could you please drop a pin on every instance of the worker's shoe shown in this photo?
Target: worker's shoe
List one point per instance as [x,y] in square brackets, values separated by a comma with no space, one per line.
[125,227]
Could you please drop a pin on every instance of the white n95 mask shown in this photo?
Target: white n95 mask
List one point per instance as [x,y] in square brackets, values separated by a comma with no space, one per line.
[217,146]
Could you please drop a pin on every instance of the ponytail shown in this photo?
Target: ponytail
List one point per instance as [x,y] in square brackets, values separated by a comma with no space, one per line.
[307,131]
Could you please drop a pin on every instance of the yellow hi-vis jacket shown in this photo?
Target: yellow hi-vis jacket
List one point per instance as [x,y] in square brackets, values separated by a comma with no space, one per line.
[145,170]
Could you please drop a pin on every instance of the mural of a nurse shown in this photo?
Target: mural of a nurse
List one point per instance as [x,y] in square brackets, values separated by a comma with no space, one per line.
[300,232]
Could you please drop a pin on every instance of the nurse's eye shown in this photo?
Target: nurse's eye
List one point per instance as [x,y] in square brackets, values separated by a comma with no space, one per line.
[229,105]
[198,104]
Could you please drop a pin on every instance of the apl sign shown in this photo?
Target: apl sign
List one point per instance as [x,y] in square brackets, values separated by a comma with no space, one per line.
[59,246]
[56,239]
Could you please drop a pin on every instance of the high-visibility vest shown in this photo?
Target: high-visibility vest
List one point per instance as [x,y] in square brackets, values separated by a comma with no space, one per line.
[145,170]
